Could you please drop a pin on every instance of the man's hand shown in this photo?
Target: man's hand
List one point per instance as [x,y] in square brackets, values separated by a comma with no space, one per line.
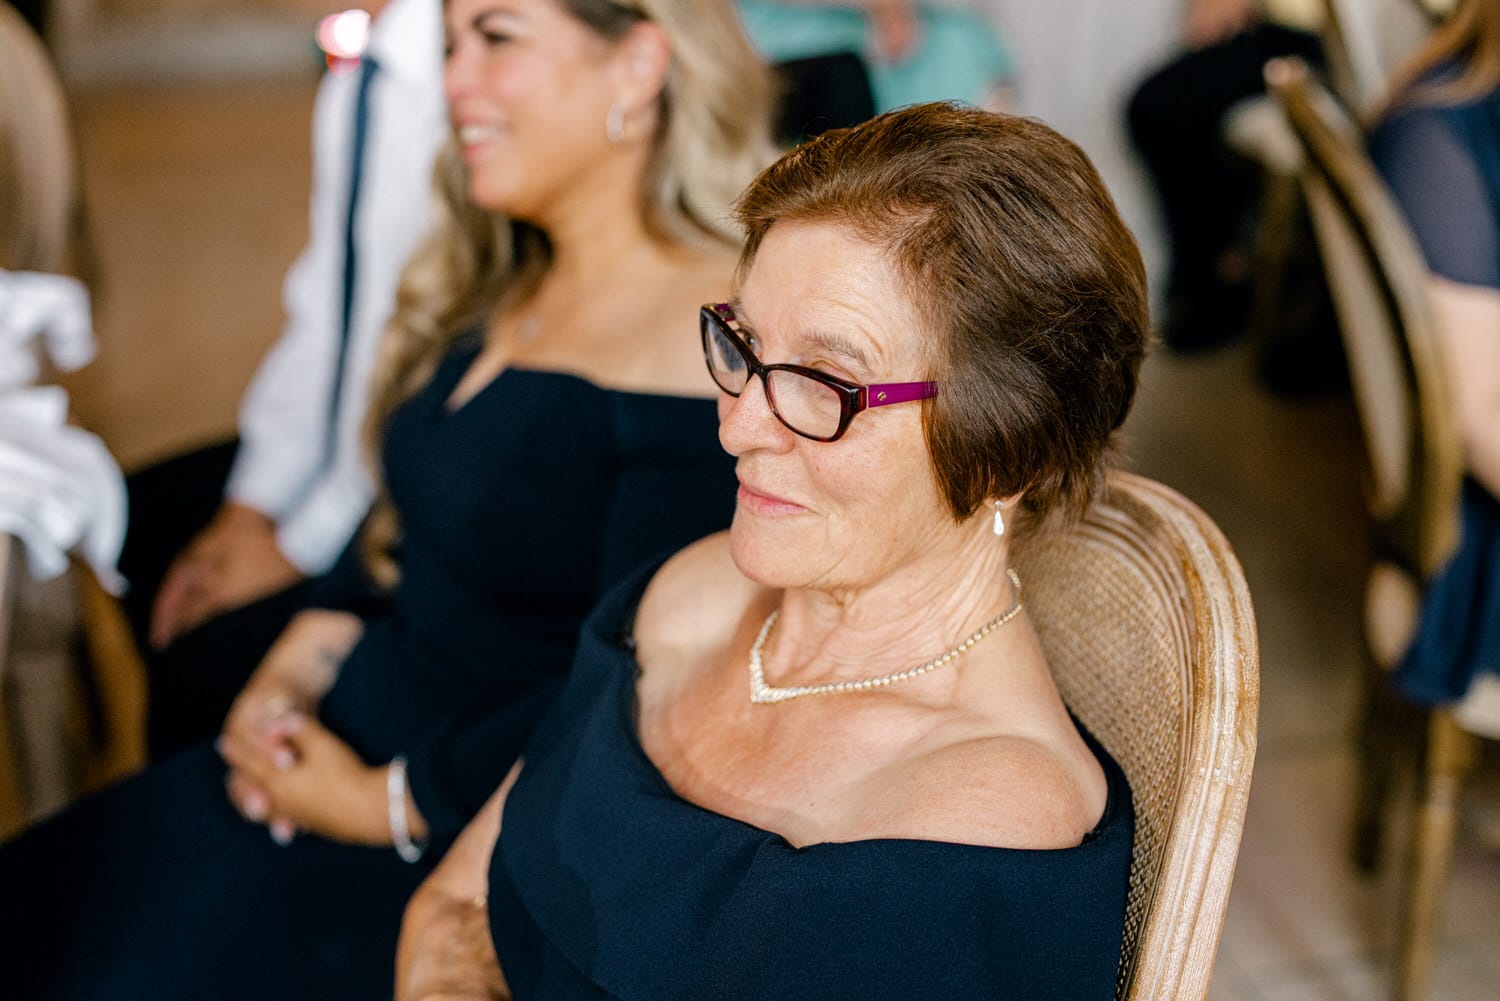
[232,562]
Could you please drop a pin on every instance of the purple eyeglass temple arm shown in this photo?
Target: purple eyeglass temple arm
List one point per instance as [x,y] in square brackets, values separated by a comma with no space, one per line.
[884,394]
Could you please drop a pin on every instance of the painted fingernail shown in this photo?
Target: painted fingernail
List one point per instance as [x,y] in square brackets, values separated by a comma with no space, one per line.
[219,746]
[282,832]
[255,806]
[284,759]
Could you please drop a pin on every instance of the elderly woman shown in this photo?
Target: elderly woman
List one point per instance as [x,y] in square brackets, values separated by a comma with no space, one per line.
[545,426]
[821,755]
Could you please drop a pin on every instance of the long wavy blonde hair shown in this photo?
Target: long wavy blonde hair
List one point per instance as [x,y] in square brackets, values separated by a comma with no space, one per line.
[42,226]
[712,137]
[1470,37]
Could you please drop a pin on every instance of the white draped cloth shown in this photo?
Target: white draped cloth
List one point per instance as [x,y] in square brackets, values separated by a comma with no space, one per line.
[60,489]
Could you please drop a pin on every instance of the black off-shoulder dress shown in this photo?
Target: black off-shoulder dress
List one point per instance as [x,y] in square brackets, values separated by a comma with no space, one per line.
[519,510]
[606,884]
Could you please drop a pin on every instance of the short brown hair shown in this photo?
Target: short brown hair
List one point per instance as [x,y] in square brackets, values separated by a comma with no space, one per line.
[1012,250]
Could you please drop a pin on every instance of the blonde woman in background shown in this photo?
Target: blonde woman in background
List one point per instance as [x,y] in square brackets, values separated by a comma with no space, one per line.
[545,425]
[1437,143]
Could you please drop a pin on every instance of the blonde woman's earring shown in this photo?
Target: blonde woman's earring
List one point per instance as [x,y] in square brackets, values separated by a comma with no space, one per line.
[999,520]
[614,124]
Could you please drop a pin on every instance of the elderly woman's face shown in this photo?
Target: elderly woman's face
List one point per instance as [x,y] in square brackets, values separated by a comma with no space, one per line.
[529,90]
[840,514]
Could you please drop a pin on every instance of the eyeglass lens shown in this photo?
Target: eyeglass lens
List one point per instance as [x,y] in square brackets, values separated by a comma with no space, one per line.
[803,404]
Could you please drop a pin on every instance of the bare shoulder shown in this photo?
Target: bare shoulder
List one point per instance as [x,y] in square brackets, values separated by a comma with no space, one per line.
[693,604]
[996,791]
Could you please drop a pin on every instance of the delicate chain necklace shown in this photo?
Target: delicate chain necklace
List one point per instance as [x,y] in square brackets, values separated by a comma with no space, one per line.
[762,692]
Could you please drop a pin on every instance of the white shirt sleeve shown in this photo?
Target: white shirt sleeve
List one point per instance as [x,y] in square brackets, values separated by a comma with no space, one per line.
[283,414]
[282,470]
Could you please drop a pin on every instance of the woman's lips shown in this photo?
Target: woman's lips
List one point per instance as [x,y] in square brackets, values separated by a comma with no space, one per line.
[760,502]
[474,138]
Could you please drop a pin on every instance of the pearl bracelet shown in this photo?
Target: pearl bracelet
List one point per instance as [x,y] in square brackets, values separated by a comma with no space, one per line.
[395,802]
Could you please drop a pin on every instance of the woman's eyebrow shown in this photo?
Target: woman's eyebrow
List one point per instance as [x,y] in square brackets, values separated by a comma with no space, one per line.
[838,344]
[830,341]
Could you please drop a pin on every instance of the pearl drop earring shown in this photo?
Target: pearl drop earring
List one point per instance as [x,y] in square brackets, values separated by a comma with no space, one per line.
[999,520]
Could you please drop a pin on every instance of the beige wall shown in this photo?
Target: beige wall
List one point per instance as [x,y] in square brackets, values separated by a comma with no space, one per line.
[111,41]
[178,9]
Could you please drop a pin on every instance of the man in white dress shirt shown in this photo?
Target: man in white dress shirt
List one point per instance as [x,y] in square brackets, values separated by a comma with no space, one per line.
[298,487]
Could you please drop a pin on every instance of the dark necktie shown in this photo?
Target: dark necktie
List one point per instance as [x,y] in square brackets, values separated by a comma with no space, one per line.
[367,70]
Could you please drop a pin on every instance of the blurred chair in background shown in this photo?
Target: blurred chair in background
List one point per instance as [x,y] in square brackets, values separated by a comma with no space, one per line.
[61,491]
[1148,628]
[1431,596]
[35,13]
[12,802]
[41,212]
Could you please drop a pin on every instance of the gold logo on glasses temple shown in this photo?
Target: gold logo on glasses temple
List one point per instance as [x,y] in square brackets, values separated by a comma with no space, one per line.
[880,396]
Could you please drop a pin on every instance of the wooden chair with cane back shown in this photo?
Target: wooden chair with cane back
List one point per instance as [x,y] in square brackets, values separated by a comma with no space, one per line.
[72,692]
[1415,469]
[12,806]
[1363,41]
[1144,615]
[43,229]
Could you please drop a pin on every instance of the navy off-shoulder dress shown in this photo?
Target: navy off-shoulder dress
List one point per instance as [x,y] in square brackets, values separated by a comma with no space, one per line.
[605,884]
[519,509]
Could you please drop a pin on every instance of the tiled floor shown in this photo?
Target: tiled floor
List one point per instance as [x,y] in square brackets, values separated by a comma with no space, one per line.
[198,199]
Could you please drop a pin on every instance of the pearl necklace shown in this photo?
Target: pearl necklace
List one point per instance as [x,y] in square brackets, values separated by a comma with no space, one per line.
[762,692]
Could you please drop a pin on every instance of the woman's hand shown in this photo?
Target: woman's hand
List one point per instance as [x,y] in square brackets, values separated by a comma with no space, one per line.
[249,732]
[232,562]
[446,952]
[312,781]
[257,738]
[299,668]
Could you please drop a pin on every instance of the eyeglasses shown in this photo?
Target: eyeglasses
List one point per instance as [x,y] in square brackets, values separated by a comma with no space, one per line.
[811,403]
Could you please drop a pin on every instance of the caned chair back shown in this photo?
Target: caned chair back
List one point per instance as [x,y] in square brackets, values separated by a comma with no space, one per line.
[1146,622]
[1378,280]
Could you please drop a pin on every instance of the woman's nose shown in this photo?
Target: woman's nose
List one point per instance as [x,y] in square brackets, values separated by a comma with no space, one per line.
[458,74]
[746,422]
